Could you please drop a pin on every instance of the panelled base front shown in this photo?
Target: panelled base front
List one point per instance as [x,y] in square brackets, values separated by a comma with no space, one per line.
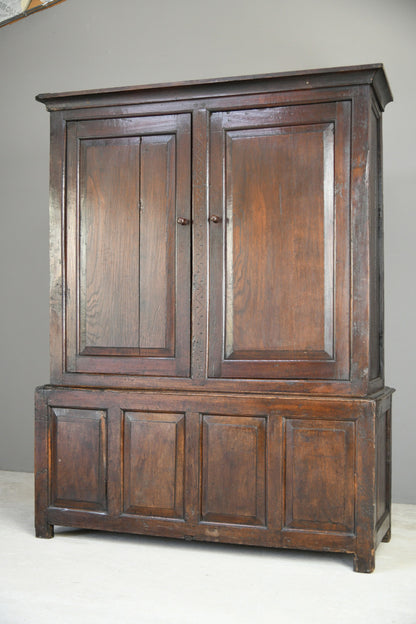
[280,471]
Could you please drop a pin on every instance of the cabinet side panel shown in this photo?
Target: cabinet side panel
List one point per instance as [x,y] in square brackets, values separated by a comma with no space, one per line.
[56,245]
[383,463]
[376,248]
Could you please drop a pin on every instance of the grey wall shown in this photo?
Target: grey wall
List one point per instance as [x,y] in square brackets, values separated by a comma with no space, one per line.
[102,43]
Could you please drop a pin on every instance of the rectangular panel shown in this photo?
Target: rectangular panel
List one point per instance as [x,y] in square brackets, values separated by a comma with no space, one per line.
[79,458]
[109,242]
[279,187]
[126,310]
[127,266]
[233,473]
[382,481]
[157,245]
[279,242]
[376,249]
[153,459]
[319,477]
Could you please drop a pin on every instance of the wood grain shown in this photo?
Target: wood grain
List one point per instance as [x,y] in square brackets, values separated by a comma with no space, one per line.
[276,241]
[217,314]
[153,460]
[127,280]
[109,234]
[157,246]
[280,253]
[278,471]
[233,472]
[319,477]
[79,459]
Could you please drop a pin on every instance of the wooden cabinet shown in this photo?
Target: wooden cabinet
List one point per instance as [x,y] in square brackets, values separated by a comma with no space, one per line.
[216,313]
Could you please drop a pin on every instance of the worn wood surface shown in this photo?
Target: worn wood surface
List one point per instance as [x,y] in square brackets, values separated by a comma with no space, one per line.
[217,313]
[240,85]
[286,472]
[324,224]
[127,258]
[280,252]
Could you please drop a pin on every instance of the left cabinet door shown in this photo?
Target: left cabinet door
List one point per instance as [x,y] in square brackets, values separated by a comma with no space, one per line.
[127,221]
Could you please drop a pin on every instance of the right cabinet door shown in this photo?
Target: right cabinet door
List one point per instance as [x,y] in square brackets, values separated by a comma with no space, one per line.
[279,242]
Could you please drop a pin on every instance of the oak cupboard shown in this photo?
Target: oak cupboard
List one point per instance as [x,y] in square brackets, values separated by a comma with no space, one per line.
[217,313]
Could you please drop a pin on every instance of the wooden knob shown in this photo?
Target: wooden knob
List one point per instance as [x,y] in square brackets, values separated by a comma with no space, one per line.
[215,219]
[182,221]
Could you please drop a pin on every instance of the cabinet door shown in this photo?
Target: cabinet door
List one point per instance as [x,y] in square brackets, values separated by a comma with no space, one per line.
[279,243]
[128,246]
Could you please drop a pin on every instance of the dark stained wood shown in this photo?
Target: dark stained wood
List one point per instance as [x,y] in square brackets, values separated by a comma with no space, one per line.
[381,467]
[319,475]
[284,302]
[276,207]
[376,247]
[192,467]
[360,222]
[157,249]
[79,459]
[248,458]
[153,460]
[233,470]
[43,527]
[127,295]
[156,372]
[217,314]
[199,245]
[364,557]
[383,471]
[240,85]
[57,166]
[109,226]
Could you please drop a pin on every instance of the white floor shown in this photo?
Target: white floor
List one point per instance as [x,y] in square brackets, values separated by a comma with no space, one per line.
[88,577]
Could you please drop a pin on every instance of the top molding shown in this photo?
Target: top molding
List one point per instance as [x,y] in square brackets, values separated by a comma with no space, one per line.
[286,81]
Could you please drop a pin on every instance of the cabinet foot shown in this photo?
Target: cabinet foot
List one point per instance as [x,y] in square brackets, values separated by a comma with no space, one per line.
[364,563]
[44,531]
[387,536]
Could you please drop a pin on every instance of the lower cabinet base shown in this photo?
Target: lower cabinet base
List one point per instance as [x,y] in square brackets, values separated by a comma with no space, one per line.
[296,472]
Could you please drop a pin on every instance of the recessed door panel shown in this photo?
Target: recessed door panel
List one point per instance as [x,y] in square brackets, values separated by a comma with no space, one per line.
[109,233]
[319,475]
[273,178]
[233,485]
[282,311]
[79,458]
[157,261]
[153,460]
[128,295]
